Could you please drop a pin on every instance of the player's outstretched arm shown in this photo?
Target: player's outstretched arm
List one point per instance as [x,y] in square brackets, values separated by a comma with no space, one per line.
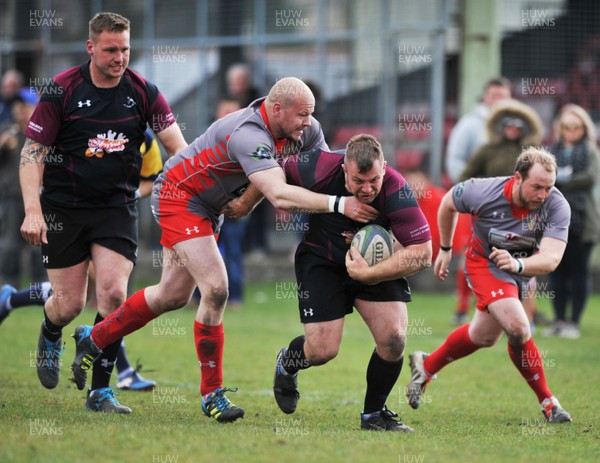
[271,182]
[31,170]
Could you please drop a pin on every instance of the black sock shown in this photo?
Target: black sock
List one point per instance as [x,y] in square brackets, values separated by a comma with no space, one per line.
[295,359]
[36,295]
[122,360]
[381,377]
[103,366]
[51,331]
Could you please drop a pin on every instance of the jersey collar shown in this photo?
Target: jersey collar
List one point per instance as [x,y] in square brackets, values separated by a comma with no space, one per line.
[279,142]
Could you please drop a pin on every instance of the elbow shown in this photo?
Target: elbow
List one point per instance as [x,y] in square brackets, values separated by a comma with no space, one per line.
[421,257]
[552,264]
[279,202]
[427,256]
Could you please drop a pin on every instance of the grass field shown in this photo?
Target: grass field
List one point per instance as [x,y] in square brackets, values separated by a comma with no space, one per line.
[479,410]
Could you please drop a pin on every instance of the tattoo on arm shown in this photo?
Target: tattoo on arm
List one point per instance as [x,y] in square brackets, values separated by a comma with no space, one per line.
[32,153]
[299,210]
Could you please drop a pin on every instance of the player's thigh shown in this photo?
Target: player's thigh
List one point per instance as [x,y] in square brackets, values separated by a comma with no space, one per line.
[323,292]
[111,271]
[387,322]
[511,316]
[203,261]
[383,317]
[484,329]
[69,287]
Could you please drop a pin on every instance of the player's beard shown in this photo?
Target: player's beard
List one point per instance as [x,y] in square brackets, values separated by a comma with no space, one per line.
[530,205]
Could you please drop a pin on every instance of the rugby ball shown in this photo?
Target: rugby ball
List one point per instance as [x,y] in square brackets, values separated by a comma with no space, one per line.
[374,243]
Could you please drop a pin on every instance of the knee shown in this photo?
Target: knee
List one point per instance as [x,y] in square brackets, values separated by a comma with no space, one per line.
[112,299]
[484,339]
[217,295]
[66,307]
[392,348]
[322,354]
[518,334]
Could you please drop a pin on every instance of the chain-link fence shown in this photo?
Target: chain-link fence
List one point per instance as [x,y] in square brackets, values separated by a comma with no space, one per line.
[388,67]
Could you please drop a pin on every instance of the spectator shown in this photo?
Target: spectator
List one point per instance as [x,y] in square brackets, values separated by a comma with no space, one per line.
[510,126]
[12,213]
[239,85]
[469,133]
[10,87]
[578,169]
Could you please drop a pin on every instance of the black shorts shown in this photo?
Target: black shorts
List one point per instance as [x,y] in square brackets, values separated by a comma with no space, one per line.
[326,292]
[71,232]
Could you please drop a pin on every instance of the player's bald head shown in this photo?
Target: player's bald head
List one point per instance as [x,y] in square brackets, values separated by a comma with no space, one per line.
[289,90]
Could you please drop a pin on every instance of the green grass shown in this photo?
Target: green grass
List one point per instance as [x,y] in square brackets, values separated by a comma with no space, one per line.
[478,410]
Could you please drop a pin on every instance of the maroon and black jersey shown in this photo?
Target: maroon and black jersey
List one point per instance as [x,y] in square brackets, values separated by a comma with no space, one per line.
[329,235]
[94,136]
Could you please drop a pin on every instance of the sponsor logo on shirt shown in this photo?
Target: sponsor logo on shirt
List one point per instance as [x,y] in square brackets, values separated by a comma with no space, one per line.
[262,152]
[106,143]
[130,102]
[36,128]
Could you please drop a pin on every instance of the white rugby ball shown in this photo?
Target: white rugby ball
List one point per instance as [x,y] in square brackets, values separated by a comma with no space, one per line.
[374,243]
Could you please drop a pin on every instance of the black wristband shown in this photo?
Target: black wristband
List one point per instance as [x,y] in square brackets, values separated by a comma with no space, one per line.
[336,205]
[446,248]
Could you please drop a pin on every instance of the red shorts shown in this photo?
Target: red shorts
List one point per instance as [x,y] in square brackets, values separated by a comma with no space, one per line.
[179,218]
[489,283]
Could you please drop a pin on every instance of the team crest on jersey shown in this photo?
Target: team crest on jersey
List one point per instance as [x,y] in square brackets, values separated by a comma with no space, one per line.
[459,190]
[261,152]
[106,143]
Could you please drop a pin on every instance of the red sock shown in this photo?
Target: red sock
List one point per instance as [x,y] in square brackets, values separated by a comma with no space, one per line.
[463,292]
[131,316]
[209,342]
[457,345]
[529,362]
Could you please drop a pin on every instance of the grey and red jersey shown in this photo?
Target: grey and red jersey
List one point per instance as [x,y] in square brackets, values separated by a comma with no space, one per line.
[214,168]
[329,235]
[499,223]
[94,135]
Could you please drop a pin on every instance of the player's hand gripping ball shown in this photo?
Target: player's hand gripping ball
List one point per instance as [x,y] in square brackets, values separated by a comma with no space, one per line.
[374,243]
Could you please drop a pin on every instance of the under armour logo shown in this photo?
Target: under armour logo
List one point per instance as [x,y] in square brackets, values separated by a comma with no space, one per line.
[195,230]
[44,259]
[130,102]
[87,103]
[105,363]
[308,312]
[209,364]
[497,293]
